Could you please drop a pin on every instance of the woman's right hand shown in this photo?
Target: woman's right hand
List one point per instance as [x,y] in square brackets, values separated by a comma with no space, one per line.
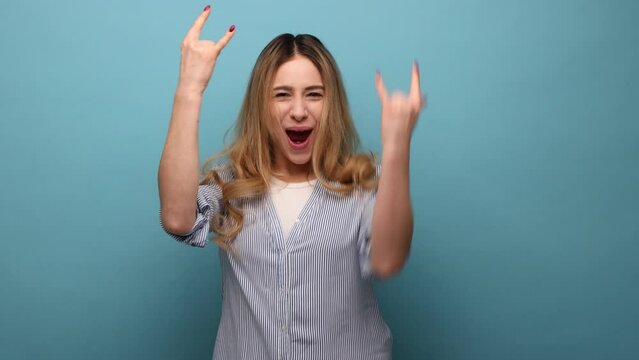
[199,56]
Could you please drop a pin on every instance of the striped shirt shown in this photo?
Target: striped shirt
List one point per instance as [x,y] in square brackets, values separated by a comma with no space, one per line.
[307,296]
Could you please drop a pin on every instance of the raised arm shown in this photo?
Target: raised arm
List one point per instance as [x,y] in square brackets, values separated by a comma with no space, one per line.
[179,166]
[392,229]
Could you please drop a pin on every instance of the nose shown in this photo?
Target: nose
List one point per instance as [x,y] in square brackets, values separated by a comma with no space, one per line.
[298,110]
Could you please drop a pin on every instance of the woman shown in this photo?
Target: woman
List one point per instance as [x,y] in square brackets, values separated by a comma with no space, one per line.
[304,222]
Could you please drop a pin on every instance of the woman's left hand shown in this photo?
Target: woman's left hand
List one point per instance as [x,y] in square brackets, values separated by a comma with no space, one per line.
[399,111]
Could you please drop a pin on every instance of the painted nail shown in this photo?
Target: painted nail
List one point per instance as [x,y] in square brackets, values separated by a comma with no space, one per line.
[207,7]
[232,28]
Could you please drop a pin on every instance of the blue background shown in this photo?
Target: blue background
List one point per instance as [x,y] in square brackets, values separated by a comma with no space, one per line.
[525,172]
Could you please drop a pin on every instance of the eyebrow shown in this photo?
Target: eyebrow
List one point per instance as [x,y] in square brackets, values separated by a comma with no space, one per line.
[290,88]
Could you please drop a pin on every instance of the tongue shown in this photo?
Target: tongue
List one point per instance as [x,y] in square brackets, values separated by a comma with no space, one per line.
[298,136]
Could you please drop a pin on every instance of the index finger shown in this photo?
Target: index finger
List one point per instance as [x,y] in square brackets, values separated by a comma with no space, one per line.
[379,85]
[194,31]
[415,91]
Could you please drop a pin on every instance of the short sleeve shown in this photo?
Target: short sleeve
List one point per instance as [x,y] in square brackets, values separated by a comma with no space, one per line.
[365,232]
[364,240]
[208,204]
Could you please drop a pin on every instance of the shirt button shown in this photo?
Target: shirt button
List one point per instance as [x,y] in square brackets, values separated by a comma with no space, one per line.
[297,220]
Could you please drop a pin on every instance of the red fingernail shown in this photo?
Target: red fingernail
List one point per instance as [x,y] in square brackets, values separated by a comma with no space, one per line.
[232,28]
[207,7]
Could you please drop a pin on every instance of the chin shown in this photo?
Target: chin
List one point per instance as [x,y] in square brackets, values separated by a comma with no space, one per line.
[300,160]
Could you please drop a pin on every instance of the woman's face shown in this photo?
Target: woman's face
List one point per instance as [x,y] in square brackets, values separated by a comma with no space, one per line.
[297,98]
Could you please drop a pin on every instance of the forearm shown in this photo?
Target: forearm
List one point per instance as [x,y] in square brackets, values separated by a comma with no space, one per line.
[392,228]
[179,166]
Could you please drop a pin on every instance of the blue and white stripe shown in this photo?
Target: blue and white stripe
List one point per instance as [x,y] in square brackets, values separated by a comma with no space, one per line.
[308,296]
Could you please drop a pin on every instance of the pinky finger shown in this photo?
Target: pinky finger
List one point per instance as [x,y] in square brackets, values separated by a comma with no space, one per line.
[227,37]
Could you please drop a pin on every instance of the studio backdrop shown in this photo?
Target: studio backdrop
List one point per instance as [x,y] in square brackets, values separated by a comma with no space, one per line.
[524,172]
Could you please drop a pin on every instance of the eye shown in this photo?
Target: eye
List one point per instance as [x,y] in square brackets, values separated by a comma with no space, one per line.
[315,94]
[281,94]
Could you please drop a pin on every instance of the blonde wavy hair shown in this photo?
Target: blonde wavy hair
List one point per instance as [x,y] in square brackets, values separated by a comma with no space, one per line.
[335,160]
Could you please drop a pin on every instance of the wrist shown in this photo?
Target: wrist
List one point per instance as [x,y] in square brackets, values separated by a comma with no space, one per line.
[395,151]
[397,144]
[189,91]
[188,94]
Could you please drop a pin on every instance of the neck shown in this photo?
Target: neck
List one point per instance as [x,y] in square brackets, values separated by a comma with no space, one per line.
[294,173]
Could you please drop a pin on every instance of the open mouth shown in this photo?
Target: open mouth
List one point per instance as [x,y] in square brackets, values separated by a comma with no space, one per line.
[299,136]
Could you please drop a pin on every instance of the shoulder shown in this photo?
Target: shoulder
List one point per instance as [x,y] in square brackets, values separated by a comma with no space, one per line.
[368,195]
[223,171]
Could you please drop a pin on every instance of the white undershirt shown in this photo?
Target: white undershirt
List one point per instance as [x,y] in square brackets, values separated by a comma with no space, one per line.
[289,200]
